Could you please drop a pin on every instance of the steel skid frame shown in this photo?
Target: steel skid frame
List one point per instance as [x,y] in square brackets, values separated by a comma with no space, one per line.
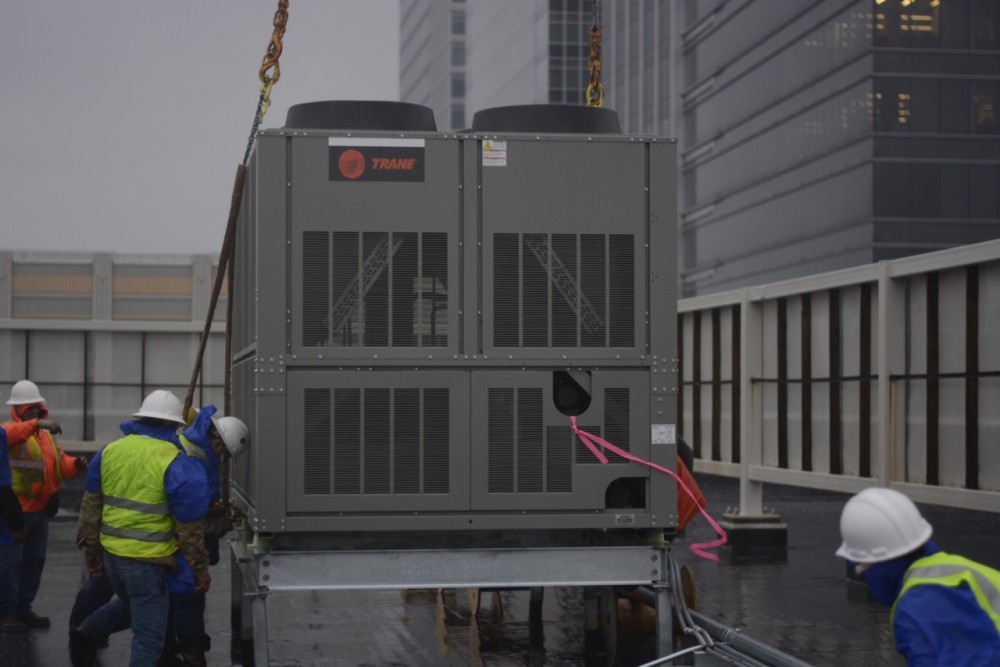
[257,573]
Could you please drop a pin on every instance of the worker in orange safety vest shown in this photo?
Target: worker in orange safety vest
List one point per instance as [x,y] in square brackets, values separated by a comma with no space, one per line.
[38,465]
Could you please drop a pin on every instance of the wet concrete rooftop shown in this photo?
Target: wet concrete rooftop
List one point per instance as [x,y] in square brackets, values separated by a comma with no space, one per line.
[801,605]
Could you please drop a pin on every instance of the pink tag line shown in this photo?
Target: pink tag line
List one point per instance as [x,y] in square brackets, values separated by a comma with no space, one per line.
[593,442]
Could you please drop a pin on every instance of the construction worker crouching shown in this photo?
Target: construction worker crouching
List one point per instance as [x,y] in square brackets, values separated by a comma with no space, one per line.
[144,499]
[203,440]
[945,608]
[38,466]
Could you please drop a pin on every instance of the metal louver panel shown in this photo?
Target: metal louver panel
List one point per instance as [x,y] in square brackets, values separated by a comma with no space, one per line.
[523,455]
[376,441]
[374,289]
[563,290]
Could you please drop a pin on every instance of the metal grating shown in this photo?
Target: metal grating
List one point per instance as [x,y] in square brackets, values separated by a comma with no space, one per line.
[564,290]
[376,441]
[525,456]
[374,289]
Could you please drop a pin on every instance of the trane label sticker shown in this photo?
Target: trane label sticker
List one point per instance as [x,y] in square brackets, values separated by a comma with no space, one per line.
[376,160]
[494,153]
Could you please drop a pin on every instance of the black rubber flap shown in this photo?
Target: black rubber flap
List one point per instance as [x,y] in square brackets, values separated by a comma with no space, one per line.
[361,115]
[547,119]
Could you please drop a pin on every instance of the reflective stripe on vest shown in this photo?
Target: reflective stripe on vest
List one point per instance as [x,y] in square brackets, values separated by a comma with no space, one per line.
[148,508]
[141,535]
[136,517]
[952,571]
[27,469]
[27,465]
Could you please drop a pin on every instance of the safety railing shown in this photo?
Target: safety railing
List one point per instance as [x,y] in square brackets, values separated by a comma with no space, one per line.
[886,374]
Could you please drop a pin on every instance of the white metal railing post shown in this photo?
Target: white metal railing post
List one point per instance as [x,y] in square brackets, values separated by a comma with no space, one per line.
[891,351]
[751,403]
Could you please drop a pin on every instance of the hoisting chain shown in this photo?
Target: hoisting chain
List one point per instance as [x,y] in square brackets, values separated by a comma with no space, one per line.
[270,71]
[269,74]
[595,91]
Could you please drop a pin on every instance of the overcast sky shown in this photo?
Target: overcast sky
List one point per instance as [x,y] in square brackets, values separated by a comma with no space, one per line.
[124,120]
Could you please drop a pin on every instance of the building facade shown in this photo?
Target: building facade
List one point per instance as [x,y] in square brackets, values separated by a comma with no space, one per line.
[813,135]
[458,57]
[432,58]
[821,135]
[97,332]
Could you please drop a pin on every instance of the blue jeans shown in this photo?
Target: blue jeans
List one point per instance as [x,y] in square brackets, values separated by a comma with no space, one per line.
[10,578]
[30,559]
[142,589]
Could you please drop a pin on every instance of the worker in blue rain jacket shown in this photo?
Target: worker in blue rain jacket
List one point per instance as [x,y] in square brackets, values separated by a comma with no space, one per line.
[945,608]
[203,440]
[144,501]
[11,525]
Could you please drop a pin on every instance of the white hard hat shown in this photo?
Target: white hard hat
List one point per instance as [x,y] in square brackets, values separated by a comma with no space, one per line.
[161,404]
[234,434]
[24,392]
[880,524]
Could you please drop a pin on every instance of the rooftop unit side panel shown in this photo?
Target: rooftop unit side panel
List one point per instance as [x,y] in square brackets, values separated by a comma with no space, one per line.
[244,407]
[564,230]
[268,242]
[241,291]
[375,268]
[663,247]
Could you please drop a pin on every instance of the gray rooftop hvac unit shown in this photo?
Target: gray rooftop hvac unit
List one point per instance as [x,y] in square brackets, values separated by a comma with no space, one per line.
[418,314]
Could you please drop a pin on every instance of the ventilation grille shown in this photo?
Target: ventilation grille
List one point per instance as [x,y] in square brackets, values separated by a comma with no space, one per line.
[527,456]
[376,441]
[374,289]
[564,290]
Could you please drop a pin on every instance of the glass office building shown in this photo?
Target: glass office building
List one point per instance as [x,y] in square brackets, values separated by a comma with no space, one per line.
[528,52]
[432,58]
[820,135]
[814,135]
[636,70]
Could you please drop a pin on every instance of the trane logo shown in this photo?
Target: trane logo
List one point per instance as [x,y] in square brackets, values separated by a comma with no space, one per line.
[394,163]
[376,163]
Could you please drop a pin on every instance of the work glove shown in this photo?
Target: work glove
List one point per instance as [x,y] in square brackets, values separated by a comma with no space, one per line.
[95,561]
[51,426]
[52,507]
[202,582]
[81,463]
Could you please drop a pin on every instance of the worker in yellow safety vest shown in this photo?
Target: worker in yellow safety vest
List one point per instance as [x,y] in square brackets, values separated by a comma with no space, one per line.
[38,465]
[144,500]
[945,608]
